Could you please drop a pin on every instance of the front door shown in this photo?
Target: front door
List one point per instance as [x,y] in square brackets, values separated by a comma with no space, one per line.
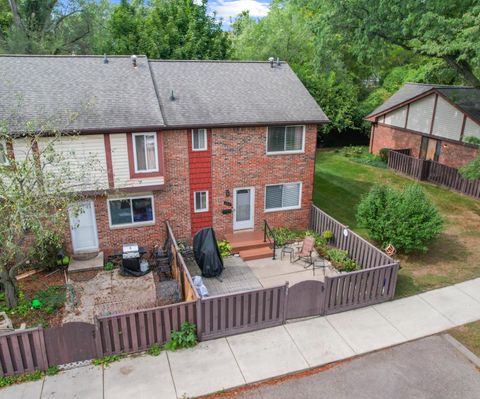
[430,149]
[83,227]
[243,208]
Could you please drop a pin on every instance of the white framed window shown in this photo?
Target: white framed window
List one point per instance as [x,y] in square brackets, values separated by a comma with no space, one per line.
[3,155]
[285,139]
[280,197]
[145,152]
[131,211]
[201,201]
[199,139]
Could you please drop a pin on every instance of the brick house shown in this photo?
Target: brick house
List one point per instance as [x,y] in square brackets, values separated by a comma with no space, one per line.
[198,143]
[435,122]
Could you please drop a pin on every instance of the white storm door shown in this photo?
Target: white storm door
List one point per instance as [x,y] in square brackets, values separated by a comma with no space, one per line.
[83,227]
[243,205]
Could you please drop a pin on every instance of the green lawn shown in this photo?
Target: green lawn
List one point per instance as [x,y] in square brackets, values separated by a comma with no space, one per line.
[453,257]
[468,335]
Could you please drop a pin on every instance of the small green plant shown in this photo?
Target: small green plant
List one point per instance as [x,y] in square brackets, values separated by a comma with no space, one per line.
[52,298]
[109,266]
[52,370]
[185,338]
[327,235]
[22,308]
[284,235]
[383,154]
[353,151]
[471,171]
[17,379]
[225,248]
[341,260]
[107,360]
[154,350]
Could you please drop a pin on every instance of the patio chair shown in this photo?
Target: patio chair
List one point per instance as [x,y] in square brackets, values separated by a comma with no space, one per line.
[306,251]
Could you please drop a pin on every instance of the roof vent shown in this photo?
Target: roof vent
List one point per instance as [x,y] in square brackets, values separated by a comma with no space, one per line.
[134,60]
[172,96]
[271,61]
[105,59]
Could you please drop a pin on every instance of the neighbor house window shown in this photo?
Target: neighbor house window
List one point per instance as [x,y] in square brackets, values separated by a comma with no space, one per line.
[283,196]
[3,155]
[285,139]
[199,139]
[201,201]
[145,152]
[131,211]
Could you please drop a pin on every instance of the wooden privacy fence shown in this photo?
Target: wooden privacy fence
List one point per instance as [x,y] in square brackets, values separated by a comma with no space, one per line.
[434,172]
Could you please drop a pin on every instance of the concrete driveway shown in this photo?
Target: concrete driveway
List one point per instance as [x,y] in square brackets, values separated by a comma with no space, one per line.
[429,368]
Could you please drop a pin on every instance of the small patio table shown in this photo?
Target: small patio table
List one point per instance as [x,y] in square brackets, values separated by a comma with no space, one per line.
[287,249]
[320,264]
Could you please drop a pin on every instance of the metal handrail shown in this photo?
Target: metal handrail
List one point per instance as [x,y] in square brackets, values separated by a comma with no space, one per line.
[271,238]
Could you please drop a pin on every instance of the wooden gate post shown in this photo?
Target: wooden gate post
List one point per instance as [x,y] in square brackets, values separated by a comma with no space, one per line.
[98,338]
[285,304]
[198,306]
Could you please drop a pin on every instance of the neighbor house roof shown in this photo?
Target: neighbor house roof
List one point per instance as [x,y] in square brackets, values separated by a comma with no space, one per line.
[466,98]
[116,96]
[232,93]
[112,95]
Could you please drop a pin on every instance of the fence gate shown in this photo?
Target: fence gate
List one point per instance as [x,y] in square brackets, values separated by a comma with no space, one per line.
[72,342]
[305,299]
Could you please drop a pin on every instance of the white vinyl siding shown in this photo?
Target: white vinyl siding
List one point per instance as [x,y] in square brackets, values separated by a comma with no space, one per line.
[396,117]
[145,152]
[120,166]
[199,139]
[283,196]
[201,201]
[131,211]
[472,129]
[448,120]
[420,114]
[285,139]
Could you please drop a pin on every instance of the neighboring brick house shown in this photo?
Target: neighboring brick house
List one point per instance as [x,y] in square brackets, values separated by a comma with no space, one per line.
[433,121]
[198,143]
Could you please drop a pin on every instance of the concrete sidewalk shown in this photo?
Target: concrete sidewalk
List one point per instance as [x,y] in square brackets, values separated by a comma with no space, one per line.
[229,362]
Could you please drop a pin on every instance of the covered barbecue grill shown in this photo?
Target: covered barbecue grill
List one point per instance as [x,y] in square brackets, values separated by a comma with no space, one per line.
[206,252]
[131,265]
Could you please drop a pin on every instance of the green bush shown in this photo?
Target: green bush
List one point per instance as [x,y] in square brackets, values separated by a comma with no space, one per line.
[225,248]
[283,235]
[341,260]
[472,140]
[353,151]
[327,235]
[406,219]
[185,338]
[383,154]
[471,171]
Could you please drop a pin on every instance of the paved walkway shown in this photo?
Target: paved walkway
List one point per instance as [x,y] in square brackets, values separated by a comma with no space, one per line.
[228,362]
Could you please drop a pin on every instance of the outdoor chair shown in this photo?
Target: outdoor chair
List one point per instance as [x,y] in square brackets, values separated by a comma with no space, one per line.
[306,251]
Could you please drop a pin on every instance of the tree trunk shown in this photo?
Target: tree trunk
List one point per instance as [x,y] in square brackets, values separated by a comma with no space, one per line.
[10,287]
[16,15]
[463,68]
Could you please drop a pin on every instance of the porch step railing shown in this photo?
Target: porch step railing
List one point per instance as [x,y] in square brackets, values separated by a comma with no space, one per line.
[268,235]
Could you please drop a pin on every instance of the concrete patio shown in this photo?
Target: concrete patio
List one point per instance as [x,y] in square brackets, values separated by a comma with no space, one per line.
[233,361]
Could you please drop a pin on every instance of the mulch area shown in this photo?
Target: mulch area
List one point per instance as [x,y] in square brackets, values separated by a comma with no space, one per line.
[30,286]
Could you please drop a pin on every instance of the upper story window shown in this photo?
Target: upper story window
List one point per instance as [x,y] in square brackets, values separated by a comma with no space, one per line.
[201,201]
[145,152]
[283,196]
[199,139]
[285,139]
[3,155]
[131,211]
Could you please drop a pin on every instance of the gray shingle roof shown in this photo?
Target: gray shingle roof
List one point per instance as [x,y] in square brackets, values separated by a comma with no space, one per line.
[467,98]
[209,93]
[105,96]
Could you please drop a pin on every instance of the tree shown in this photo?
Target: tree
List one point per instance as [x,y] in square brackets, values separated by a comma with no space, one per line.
[471,171]
[443,29]
[36,190]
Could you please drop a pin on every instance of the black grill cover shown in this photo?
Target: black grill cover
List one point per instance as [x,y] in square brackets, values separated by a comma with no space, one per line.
[207,254]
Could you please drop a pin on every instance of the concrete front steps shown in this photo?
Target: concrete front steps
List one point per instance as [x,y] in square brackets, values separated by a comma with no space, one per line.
[249,245]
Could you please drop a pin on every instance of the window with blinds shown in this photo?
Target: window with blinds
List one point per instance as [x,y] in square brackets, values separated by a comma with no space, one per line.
[145,152]
[283,196]
[285,139]
[199,139]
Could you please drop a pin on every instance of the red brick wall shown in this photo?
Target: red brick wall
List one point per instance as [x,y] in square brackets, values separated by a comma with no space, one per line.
[452,154]
[200,180]
[239,160]
[388,137]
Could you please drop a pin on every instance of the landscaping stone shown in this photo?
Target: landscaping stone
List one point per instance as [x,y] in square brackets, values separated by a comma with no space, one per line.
[365,330]
[454,304]
[266,353]
[142,377]
[318,342]
[80,383]
[413,317]
[27,390]
[206,368]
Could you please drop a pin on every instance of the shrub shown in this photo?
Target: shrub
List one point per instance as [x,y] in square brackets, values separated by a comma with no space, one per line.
[406,219]
[353,151]
[185,338]
[225,248]
[471,171]
[341,260]
[383,154]
[472,140]
[282,235]
[327,234]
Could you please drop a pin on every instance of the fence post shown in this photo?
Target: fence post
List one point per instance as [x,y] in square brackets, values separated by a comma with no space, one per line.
[285,304]
[43,350]
[198,305]
[98,338]
[324,295]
